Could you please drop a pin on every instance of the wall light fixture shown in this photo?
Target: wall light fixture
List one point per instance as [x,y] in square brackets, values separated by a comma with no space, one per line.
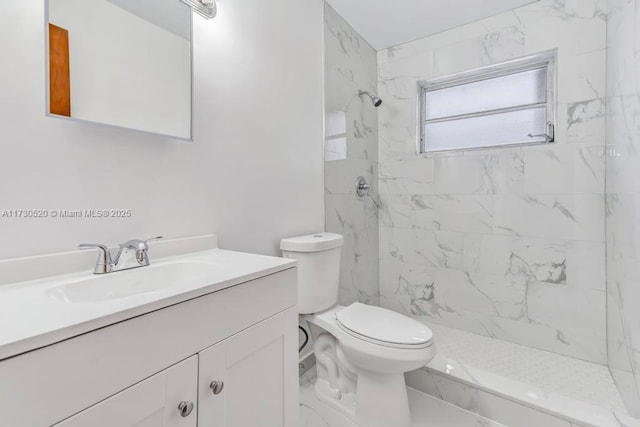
[205,8]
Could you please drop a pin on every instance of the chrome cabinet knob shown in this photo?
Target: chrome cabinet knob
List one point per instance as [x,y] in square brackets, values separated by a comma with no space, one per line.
[216,387]
[185,408]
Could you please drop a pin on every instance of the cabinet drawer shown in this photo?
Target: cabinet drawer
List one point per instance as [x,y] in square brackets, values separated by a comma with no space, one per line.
[65,378]
[151,403]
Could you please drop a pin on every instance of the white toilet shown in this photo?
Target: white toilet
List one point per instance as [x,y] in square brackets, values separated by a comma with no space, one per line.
[362,352]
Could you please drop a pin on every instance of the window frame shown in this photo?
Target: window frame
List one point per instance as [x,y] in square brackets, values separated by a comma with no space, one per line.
[547,59]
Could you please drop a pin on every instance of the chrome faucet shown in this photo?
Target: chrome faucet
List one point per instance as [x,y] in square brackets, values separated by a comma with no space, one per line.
[132,254]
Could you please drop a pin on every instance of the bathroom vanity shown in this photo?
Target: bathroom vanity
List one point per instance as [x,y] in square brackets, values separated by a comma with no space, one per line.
[214,344]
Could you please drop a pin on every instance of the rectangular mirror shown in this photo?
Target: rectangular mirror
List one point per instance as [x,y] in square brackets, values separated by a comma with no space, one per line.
[124,63]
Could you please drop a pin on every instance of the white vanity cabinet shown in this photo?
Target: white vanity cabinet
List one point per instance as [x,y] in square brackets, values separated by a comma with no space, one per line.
[139,371]
[238,382]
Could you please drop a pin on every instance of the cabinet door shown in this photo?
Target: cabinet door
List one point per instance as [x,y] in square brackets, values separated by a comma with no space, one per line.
[258,368]
[151,403]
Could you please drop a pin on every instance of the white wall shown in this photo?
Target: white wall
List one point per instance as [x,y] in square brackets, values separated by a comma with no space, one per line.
[254,173]
[126,71]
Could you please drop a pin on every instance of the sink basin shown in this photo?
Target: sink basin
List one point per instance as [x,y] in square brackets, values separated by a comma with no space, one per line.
[129,283]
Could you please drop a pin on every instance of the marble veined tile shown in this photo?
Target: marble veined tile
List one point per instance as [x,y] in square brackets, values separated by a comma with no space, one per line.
[495,172]
[565,168]
[623,118]
[396,142]
[407,50]
[524,259]
[359,267]
[395,210]
[437,249]
[406,177]
[351,65]
[407,288]
[314,413]
[489,48]
[578,341]
[492,369]
[565,308]
[458,393]
[426,411]
[484,294]
[461,213]
[579,264]
[582,77]
[398,92]
[490,25]
[509,242]
[551,24]
[340,176]
[564,216]
[555,373]
[585,121]
[586,265]
[410,67]
[523,290]
[623,201]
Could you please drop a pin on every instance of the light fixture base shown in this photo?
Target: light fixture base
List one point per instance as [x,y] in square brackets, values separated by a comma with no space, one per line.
[205,8]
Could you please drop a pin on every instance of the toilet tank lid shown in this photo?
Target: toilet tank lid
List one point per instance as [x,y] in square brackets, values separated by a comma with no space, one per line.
[312,242]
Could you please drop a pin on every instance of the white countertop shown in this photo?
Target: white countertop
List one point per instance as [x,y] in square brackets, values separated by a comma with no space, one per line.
[31,318]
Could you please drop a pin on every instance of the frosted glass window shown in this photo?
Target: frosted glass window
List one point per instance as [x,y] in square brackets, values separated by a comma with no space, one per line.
[486,131]
[524,88]
[505,104]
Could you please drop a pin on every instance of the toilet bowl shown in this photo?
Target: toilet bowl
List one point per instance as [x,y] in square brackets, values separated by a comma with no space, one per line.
[362,351]
[376,357]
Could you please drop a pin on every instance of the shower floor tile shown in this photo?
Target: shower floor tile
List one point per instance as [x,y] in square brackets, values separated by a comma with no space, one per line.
[555,373]
[574,389]
[427,411]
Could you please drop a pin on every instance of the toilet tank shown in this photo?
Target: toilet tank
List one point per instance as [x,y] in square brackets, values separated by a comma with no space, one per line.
[318,257]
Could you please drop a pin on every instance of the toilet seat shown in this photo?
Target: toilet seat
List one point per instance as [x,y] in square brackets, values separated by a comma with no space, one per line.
[383,327]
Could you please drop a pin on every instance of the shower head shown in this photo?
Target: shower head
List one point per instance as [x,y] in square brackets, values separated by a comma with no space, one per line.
[374,99]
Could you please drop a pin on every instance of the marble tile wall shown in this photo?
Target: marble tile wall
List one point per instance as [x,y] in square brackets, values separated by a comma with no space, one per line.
[623,198]
[350,65]
[505,242]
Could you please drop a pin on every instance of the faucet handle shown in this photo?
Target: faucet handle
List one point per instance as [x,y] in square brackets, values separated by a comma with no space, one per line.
[104,264]
[140,248]
[137,244]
